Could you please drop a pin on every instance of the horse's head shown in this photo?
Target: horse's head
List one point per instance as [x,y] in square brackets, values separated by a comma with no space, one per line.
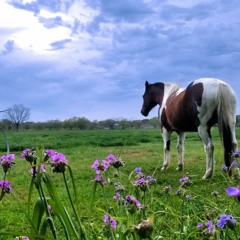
[151,97]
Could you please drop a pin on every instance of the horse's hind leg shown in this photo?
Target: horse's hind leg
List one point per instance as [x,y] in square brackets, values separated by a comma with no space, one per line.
[233,168]
[180,149]
[204,133]
[167,142]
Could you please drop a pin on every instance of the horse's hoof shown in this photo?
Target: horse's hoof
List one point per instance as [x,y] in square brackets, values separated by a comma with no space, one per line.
[163,169]
[207,176]
[179,168]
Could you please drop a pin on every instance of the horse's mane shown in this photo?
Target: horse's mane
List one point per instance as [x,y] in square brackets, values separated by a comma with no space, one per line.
[169,89]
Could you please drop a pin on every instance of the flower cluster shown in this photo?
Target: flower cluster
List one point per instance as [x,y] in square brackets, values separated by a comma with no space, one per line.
[132,204]
[115,162]
[224,221]
[110,221]
[6,161]
[101,166]
[234,165]
[185,181]
[57,160]
[141,182]
[207,228]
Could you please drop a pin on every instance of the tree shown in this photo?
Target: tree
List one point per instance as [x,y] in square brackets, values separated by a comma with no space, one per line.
[18,114]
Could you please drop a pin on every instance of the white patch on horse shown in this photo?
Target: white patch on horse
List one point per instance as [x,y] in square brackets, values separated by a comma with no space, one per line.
[169,89]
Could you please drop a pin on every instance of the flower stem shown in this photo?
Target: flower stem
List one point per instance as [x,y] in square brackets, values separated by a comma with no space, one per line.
[82,232]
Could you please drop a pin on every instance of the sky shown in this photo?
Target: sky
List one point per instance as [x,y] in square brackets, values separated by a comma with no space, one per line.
[91,58]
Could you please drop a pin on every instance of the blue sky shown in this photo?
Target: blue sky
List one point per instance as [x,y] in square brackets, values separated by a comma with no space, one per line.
[91,58]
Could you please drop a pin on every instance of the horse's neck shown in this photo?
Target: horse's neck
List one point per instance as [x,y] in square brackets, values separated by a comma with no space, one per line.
[169,89]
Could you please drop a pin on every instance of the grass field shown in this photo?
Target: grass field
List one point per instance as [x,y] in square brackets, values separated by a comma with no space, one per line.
[175,217]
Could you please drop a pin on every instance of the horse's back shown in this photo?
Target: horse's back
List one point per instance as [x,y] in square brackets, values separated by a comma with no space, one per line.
[214,93]
[197,104]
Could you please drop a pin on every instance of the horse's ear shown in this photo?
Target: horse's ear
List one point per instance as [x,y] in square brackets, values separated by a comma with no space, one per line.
[146,84]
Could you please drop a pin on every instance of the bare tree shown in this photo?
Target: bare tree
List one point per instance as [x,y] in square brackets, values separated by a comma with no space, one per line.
[18,114]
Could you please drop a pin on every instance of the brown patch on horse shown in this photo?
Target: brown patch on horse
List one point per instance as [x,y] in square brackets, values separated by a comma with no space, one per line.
[180,112]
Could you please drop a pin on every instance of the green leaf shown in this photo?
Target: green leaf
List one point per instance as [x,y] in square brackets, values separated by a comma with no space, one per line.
[60,210]
[38,212]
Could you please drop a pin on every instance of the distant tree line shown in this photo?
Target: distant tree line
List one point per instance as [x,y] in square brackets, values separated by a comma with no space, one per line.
[82,123]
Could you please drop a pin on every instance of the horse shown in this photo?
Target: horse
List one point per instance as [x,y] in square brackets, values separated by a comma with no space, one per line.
[196,108]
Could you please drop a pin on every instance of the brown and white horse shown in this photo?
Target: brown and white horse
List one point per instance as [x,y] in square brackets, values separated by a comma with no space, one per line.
[197,108]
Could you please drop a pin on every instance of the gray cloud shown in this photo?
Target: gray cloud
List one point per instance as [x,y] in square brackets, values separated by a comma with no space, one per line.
[98,70]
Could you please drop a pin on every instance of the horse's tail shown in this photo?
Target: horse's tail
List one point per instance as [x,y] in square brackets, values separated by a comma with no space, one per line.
[227,120]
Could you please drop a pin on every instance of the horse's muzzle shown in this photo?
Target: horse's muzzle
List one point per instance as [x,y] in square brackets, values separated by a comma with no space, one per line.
[144,113]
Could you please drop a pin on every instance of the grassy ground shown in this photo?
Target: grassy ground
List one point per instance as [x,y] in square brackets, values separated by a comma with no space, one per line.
[138,148]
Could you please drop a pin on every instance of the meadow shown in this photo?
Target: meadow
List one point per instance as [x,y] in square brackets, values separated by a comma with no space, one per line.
[175,206]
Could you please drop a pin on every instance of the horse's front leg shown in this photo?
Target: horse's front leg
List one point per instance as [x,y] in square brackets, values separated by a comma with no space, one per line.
[166,147]
[180,149]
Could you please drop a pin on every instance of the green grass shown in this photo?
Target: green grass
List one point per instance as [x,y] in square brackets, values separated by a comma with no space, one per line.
[138,148]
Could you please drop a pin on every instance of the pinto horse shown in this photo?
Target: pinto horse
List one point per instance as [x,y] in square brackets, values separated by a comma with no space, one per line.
[197,108]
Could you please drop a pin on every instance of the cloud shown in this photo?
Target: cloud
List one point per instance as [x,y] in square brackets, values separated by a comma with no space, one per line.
[92,58]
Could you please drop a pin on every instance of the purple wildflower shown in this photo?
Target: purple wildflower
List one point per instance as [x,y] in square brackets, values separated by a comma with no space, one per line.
[132,204]
[178,192]
[237,152]
[138,169]
[49,153]
[142,183]
[116,196]
[58,162]
[200,225]
[233,191]
[234,164]
[100,166]
[209,230]
[117,162]
[224,168]
[110,158]
[25,152]
[188,196]
[99,179]
[5,185]
[29,155]
[7,161]
[108,220]
[185,181]
[226,221]
[151,180]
